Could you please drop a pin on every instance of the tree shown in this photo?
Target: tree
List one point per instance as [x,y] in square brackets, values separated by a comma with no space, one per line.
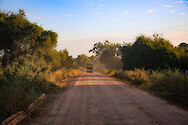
[82,60]
[18,36]
[148,53]
[109,54]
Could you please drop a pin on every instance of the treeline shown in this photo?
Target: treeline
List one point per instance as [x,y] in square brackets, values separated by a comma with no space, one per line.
[146,52]
[29,63]
[108,54]
[154,53]
[152,64]
[18,37]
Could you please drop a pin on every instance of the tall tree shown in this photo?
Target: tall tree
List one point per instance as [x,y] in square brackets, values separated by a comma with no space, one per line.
[150,53]
[19,36]
[108,53]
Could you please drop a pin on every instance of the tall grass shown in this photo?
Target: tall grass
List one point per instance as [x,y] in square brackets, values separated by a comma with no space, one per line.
[171,85]
[24,80]
[58,76]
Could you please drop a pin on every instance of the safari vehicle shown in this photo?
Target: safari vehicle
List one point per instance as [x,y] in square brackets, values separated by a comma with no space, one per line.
[89,68]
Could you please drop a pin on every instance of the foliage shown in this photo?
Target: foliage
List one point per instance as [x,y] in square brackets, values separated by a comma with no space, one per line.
[28,62]
[25,79]
[58,76]
[171,85]
[18,36]
[83,60]
[112,47]
[136,76]
[60,59]
[21,82]
[156,53]
[108,53]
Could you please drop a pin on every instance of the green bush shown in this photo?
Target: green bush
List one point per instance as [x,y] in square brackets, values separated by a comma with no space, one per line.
[21,83]
[172,85]
[137,76]
[169,84]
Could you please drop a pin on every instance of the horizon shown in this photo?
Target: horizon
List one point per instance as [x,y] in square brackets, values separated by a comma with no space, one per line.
[81,23]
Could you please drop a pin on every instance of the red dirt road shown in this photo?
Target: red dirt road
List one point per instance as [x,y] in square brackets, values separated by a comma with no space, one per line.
[96,99]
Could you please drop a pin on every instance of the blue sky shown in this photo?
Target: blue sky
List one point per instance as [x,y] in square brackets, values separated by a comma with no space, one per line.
[81,23]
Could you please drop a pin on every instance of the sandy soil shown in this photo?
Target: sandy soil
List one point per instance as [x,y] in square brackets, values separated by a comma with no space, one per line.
[96,99]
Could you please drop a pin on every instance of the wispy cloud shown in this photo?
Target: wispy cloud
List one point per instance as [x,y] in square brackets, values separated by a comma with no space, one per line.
[28,13]
[37,17]
[172,11]
[186,1]
[114,19]
[164,5]
[69,15]
[179,2]
[182,28]
[94,13]
[125,12]
[180,13]
[89,4]
[151,11]
[101,5]
[96,8]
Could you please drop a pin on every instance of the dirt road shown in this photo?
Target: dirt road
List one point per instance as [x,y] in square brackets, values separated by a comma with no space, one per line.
[96,99]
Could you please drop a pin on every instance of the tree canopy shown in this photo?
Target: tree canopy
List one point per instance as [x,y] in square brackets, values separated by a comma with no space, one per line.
[108,54]
[18,36]
[153,53]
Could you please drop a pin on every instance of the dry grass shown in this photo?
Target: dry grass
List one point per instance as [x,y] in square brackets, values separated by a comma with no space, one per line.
[168,84]
[58,77]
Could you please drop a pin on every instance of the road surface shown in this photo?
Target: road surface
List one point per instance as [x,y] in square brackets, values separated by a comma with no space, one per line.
[96,99]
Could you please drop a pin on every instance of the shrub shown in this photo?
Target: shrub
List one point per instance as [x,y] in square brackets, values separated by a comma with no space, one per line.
[137,76]
[171,85]
[59,75]
[21,83]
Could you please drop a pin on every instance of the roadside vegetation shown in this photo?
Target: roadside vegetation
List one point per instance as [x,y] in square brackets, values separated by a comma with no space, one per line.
[152,64]
[171,85]
[29,63]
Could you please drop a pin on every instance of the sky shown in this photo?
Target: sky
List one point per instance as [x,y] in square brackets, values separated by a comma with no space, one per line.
[82,23]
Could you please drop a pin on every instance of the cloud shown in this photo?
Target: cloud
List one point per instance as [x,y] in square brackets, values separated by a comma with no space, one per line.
[164,5]
[172,11]
[28,13]
[186,1]
[114,19]
[94,13]
[37,17]
[101,5]
[182,28]
[125,12]
[150,11]
[89,4]
[69,15]
[96,8]
[179,2]
[180,13]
